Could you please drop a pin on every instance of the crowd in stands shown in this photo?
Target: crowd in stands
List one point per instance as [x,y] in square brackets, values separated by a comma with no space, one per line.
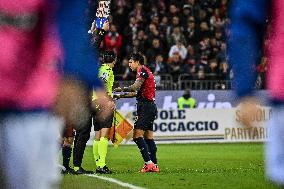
[176,37]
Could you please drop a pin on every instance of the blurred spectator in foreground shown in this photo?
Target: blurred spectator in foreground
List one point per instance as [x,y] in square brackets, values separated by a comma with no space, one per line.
[31,87]
[247,32]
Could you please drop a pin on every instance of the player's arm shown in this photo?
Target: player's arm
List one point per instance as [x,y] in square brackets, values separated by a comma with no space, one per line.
[245,41]
[99,34]
[132,88]
[125,95]
[135,86]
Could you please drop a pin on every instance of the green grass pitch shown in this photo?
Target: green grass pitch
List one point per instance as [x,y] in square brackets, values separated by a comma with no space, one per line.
[194,166]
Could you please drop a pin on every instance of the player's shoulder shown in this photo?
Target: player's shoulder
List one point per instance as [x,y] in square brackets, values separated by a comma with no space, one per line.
[105,67]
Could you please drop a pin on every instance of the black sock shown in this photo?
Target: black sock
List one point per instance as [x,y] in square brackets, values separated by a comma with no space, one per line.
[66,153]
[152,149]
[140,142]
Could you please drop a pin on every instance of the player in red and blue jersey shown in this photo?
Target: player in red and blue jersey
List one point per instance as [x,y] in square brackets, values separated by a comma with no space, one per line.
[144,89]
[248,24]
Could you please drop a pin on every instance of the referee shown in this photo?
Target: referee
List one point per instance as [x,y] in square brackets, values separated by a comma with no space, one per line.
[102,128]
[146,111]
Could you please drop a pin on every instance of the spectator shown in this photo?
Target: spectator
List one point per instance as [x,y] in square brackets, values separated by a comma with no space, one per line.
[216,21]
[213,70]
[153,32]
[175,64]
[155,50]
[219,36]
[135,47]
[113,40]
[119,18]
[214,48]
[130,31]
[138,13]
[175,36]
[200,23]
[142,38]
[173,11]
[178,48]
[204,30]
[158,66]
[190,60]
[222,54]
[200,71]
[127,73]
[204,50]
[191,33]
[195,7]
[164,25]
[202,17]
[224,71]
[155,20]
[174,23]
[186,12]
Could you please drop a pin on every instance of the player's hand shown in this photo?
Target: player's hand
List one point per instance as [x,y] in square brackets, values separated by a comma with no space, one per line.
[116,96]
[106,26]
[118,89]
[93,27]
[248,108]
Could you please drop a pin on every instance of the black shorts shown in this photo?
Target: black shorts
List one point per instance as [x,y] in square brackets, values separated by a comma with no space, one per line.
[146,115]
[98,125]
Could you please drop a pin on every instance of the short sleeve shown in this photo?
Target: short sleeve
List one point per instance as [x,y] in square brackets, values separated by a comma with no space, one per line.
[142,74]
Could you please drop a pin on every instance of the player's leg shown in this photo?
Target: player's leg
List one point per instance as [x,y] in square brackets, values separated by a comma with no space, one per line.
[143,147]
[149,139]
[103,145]
[140,125]
[81,138]
[68,138]
[30,150]
[275,147]
[96,147]
[66,154]
[97,138]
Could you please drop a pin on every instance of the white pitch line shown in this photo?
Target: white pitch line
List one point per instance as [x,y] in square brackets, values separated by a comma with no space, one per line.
[124,184]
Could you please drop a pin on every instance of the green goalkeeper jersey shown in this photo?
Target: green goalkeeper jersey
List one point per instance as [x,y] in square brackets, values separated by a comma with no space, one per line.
[106,74]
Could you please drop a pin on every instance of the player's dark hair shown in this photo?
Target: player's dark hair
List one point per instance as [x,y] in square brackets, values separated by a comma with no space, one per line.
[138,57]
[108,57]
